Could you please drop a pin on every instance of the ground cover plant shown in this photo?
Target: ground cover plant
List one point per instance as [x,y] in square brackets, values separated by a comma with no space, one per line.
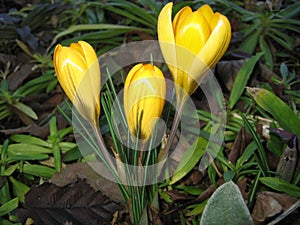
[225,149]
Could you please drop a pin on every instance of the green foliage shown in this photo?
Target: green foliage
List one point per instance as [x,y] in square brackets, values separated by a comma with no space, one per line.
[242,79]
[270,34]
[280,111]
[189,160]
[269,30]
[26,158]
[10,102]
[281,185]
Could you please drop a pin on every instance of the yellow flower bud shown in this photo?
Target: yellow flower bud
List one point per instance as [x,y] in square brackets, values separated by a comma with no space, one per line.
[201,34]
[78,72]
[144,98]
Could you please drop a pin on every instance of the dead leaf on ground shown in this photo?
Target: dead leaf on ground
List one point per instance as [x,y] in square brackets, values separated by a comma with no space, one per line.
[177,196]
[269,204]
[82,171]
[76,203]
[228,70]
[16,78]
[242,140]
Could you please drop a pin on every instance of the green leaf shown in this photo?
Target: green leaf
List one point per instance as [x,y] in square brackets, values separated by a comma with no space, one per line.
[198,209]
[281,185]
[83,27]
[72,154]
[34,86]
[4,191]
[286,43]
[25,109]
[19,188]
[242,79]
[267,52]
[27,149]
[190,189]
[262,161]
[229,175]
[280,111]
[10,170]
[189,159]
[9,206]
[227,207]
[6,222]
[248,152]
[38,170]
[26,139]
[250,42]
[290,11]
[16,157]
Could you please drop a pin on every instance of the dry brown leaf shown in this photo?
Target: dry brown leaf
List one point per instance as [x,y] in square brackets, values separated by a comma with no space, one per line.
[16,78]
[227,71]
[76,203]
[241,142]
[82,171]
[269,204]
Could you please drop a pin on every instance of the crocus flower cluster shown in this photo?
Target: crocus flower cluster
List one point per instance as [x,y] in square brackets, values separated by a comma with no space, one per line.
[192,36]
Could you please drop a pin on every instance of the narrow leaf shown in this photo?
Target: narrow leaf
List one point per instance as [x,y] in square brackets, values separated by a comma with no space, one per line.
[262,161]
[280,111]
[19,188]
[38,170]
[281,185]
[267,51]
[242,79]
[9,206]
[26,139]
[189,159]
[26,110]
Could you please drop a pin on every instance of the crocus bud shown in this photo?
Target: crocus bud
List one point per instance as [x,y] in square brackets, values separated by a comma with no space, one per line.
[144,98]
[78,72]
[192,43]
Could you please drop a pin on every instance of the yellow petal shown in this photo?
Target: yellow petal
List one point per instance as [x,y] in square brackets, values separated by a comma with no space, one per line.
[180,16]
[207,12]
[144,96]
[88,52]
[131,74]
[192,35]
[78,73]
[164,26]
[218,41]
[193,32]
[166,37]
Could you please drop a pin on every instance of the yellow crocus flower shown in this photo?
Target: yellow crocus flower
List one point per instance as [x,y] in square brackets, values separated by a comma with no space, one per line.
[192,43]
[78,72]
[144,98]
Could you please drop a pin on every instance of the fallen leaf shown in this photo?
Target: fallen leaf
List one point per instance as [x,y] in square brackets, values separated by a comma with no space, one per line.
[228,70]
[269,204]
[82,171]
[76,203]
[16,78]
[177,196]
[241,142]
